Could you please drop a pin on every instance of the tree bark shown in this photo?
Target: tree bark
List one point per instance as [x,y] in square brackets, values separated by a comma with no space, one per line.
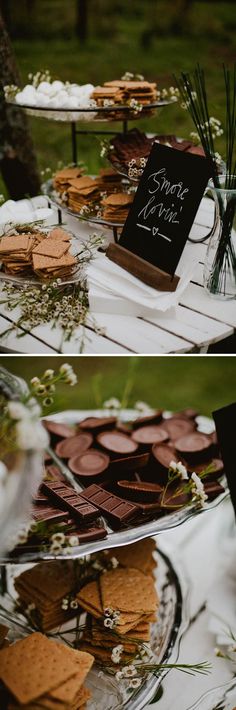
[17,158]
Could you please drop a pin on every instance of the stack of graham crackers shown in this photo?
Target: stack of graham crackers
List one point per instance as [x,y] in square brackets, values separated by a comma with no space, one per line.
[61,181]
[130,593]
[116,207]
[107,92]
[46,255]
[45,585]
[121,91]
[109,180]
[38,673]
[82,192]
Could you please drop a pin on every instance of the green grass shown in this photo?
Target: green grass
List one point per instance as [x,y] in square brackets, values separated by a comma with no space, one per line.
[114,46]
[205,383]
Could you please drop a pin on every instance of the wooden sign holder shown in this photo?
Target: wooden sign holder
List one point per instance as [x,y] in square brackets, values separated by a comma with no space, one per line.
[142,269]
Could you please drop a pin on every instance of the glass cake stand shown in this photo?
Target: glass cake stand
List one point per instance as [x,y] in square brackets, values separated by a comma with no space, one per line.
[166,635]
[134,532]
[104,114]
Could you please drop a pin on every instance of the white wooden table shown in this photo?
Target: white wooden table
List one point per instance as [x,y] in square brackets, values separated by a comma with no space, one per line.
[192,326]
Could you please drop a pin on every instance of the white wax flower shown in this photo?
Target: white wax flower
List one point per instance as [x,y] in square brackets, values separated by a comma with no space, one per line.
[31,435]
[17,410]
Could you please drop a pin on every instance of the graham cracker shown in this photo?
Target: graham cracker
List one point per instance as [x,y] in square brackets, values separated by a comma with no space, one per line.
[28,681]
[51,247]
[126,589]
[59,234]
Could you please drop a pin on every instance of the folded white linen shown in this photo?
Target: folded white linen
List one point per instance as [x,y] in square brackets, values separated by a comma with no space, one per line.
[25,211]
[222,595]
[111,279]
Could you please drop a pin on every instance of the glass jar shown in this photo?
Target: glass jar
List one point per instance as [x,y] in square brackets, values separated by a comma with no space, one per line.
[219,274]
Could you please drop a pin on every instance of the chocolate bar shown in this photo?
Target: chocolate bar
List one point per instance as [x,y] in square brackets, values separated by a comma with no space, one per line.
[68,499]
[47,513]
[115,509]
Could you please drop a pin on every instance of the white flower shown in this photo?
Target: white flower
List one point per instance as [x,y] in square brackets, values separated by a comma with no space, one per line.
[108,623]
[55,549]
[179,468]
[135,682]
[31,607]
[119,675]
[117,653]
[68,373]
[142,407]
[65,604]
[198,491]
[58,538]
[35,381]
[35,409]
[74,604]
[112,403]
[31,435]
[114,562]
[3,472]
[48,374]
[73,540]
[17,410]
[129,671]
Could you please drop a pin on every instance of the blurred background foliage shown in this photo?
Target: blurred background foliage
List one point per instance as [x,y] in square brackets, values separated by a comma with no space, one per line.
[96,40]
[205,383]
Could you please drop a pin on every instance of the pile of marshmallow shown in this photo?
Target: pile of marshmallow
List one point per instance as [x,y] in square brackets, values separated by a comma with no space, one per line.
[56,95]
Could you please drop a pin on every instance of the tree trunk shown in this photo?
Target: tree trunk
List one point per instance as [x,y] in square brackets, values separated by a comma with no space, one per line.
[82,20]
[17,158]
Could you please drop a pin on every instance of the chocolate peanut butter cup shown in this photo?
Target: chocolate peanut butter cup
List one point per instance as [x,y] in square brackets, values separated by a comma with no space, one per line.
[116,442]
[193,446]
[89,464]
[58,430]
[148,435]
[154,418]
[140,490]
[74,445]
[217,468]
[96,424]
[178,427]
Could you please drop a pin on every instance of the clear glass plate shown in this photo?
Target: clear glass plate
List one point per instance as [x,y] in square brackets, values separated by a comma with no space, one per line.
[91,113]
[77,273]
[91,217]
[134,532]
[173,619]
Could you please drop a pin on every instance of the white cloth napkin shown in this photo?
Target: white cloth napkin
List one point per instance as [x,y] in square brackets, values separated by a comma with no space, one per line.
[112,280]
[24,211]
[222,596]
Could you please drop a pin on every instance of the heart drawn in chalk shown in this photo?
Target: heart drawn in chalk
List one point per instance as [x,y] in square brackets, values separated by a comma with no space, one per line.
[155,231]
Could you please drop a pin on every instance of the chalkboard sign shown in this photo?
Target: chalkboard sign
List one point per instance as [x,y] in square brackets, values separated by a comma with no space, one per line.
[164,207]
[225,421]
